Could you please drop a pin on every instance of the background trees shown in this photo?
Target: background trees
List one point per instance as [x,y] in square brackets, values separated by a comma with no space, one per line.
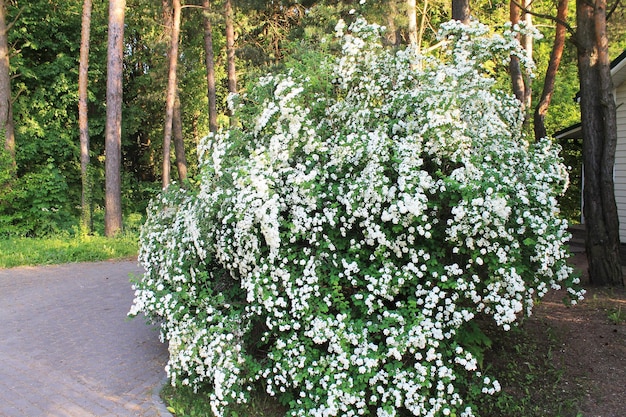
[6,115]
[44,195]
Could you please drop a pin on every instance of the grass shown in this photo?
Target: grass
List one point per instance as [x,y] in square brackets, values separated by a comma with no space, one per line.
[183,402]
[57,250]
[71,247]
[521,360]
[531,379]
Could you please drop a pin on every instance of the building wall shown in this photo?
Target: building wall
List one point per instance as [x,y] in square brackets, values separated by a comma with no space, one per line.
[620,159]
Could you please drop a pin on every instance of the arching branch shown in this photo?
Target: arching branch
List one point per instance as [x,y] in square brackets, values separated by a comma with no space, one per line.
[555,19]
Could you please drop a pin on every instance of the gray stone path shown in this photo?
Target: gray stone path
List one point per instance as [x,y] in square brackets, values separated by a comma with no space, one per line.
[67,348]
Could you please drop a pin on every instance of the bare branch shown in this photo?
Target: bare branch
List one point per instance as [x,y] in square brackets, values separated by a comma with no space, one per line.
[10,25]
[610,12]
[546,16]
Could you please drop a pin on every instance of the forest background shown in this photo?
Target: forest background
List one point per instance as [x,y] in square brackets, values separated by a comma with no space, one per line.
[42,196]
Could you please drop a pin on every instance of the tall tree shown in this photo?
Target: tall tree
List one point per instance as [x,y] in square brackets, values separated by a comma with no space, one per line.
[522,87]
[461,11]
[599,131]
[392,33]
[172,86]
[179,143]
[230,51]
[553,66]
[83,123]
[411,10]
[6,112]
[113,130]
[210,65]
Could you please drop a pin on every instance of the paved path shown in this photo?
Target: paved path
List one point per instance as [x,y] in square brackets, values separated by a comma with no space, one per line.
[67,348]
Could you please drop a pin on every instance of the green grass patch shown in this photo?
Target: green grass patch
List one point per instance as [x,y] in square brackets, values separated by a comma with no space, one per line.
[64,249]
[533,381]
[183,402]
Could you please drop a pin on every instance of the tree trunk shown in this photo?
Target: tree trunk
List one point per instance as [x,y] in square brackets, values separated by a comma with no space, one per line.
[179,143]
[230,52]
[171,93]
[210,66]
[599,130]
[392,34]
[553,67]
[527,43]
[517,76]
[83,124]
[411,11]
[113,131]
[6,112]
[461,11]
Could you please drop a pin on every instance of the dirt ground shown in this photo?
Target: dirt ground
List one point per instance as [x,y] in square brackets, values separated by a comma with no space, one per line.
[592,345]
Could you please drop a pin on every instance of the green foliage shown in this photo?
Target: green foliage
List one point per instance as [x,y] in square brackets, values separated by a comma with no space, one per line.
[44,63]
[43,198]
[36,204]
[617,316]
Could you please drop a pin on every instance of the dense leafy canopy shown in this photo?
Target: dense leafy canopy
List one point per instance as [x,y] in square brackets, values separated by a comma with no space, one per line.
[44,42]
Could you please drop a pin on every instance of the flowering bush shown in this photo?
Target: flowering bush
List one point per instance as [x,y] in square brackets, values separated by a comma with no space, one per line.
[344,241]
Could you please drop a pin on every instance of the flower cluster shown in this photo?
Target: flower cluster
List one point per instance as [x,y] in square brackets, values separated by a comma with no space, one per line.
[343,243]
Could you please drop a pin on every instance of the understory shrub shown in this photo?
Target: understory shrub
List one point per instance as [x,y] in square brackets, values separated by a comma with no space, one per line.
[345,243]
[36,204]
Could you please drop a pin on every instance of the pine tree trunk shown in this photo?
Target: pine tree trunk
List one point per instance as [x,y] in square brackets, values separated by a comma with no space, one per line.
[83,124]
[210,66]
[527,43]
[113,131]
[171,93]
[392,34]
[553,67]
[598,117]
[179,143]
[6,113]
[517,77]
[230,52]
[411,11]
[461,11]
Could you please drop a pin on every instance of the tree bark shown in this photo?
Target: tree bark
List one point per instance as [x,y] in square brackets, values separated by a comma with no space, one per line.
[210,66]
[83,124]
[411,10]
[230,52]
[392,34]
[598,117]
[461,11]
[6,112]
[113,130]
[171,93]
[553,67]
[527,43]
[517,76]
[179,143]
